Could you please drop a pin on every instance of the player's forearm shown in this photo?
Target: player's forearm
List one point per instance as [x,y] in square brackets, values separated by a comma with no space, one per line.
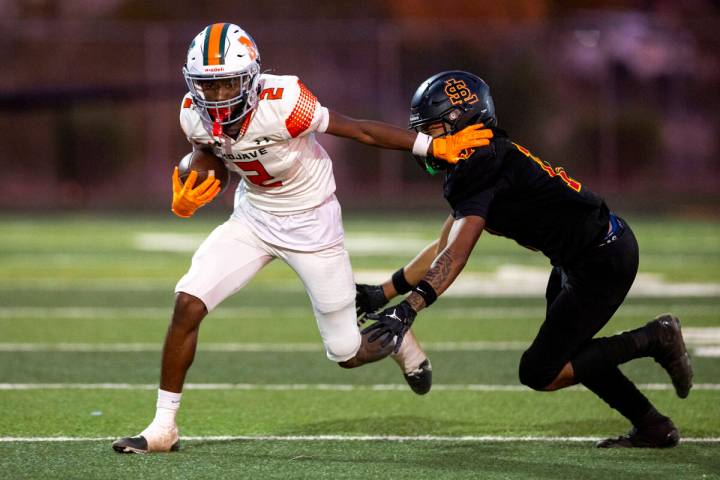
[384,135]
[441,275]
[413,271]
[418,267]
[371,132]
[462,237]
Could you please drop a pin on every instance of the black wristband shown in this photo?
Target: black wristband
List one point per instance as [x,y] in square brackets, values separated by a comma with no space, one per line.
[400,283]
[426,291]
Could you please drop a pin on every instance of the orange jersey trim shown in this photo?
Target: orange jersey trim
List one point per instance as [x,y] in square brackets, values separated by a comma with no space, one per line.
[301,117]
[558,171]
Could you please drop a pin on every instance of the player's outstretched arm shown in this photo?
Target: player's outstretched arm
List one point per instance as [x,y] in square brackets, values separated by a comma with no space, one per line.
[384,135]
[418,267]
[371,298]
[463,236]
[395,321]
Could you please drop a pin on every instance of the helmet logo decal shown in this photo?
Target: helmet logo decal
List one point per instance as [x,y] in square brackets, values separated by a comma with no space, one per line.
[250,47]
[458,92]
[214,45]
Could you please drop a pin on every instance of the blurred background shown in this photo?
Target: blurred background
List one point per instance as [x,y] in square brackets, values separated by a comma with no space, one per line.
[623,94]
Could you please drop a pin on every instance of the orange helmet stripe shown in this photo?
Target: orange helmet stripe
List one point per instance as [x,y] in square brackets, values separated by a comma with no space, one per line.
[215,35]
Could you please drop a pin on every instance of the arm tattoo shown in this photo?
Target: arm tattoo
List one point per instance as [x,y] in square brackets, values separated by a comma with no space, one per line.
[440,271]
[439,276]
[416,301]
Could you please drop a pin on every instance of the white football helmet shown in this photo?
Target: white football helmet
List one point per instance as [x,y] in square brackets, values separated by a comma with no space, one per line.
[222,73]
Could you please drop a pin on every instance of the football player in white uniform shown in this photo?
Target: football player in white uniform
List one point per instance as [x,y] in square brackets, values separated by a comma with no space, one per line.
[263,127]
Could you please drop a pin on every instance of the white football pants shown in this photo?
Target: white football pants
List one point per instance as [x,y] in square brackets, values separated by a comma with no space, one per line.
[232,254]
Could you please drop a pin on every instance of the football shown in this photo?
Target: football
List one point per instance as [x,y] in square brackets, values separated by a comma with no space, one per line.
[204,162]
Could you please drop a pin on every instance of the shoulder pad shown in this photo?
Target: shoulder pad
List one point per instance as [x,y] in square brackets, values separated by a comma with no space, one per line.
[191,123]
[290,104]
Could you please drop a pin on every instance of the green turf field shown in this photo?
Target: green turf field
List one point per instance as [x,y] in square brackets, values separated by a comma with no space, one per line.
[85,301]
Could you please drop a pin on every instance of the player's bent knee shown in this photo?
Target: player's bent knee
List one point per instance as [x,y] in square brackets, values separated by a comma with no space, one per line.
[190,303]
[534,374]
[188,309]
[339,331]
[343,350]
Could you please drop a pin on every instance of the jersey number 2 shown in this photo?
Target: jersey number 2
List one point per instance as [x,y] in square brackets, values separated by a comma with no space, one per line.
[261,176]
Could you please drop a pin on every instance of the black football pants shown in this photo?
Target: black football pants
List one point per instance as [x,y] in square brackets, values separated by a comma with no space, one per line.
[581,299]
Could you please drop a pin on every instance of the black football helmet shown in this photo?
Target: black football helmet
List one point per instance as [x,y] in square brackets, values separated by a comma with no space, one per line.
[455,98]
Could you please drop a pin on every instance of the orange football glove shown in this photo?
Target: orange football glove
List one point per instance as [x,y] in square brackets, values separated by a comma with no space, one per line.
[449,147]
[187,199]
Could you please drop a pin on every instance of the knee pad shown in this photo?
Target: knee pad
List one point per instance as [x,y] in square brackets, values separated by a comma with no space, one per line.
[339,332]
[534,374]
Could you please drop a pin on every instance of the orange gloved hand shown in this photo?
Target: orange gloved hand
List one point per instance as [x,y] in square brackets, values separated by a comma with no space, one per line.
[450,147]
[187,198]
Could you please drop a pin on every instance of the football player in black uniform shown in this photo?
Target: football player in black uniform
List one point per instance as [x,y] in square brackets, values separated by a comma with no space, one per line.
[506,190]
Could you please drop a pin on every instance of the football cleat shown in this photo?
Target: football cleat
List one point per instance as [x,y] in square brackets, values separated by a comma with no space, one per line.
[660,435]
[420,379]
[152,439]
[415,364]
[670,352]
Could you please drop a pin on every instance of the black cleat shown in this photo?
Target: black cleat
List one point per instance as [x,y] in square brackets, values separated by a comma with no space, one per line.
[420,379]
[136,445]
[671,354]
[660,435]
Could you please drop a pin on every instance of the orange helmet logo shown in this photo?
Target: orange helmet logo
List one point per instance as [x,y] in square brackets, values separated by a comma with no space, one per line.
[250,47]
[458,92]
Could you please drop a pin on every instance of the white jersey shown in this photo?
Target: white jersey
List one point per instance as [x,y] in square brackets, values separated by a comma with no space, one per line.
[284,169]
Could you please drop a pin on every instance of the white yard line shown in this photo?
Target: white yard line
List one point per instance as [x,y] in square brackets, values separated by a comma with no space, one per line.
[507,280]
[156,347]
[362,244]
[469,313]
[707,352]
[242,347]
[524,281]
[99,313]
[705,341]
[336,387]
[351,438]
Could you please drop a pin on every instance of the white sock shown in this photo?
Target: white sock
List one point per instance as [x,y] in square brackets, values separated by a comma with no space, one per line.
[410,355]
[167,405]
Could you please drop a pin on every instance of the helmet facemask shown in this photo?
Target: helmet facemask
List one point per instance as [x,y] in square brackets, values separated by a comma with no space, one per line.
[224,98]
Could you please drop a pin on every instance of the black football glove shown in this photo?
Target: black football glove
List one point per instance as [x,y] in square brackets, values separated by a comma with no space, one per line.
[391,323]
[368,299]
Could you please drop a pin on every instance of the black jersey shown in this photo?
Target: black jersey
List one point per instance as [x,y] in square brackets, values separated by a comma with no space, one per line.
[523,198]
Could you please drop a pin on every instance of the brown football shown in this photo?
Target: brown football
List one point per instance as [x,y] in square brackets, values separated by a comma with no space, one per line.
[203,162]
